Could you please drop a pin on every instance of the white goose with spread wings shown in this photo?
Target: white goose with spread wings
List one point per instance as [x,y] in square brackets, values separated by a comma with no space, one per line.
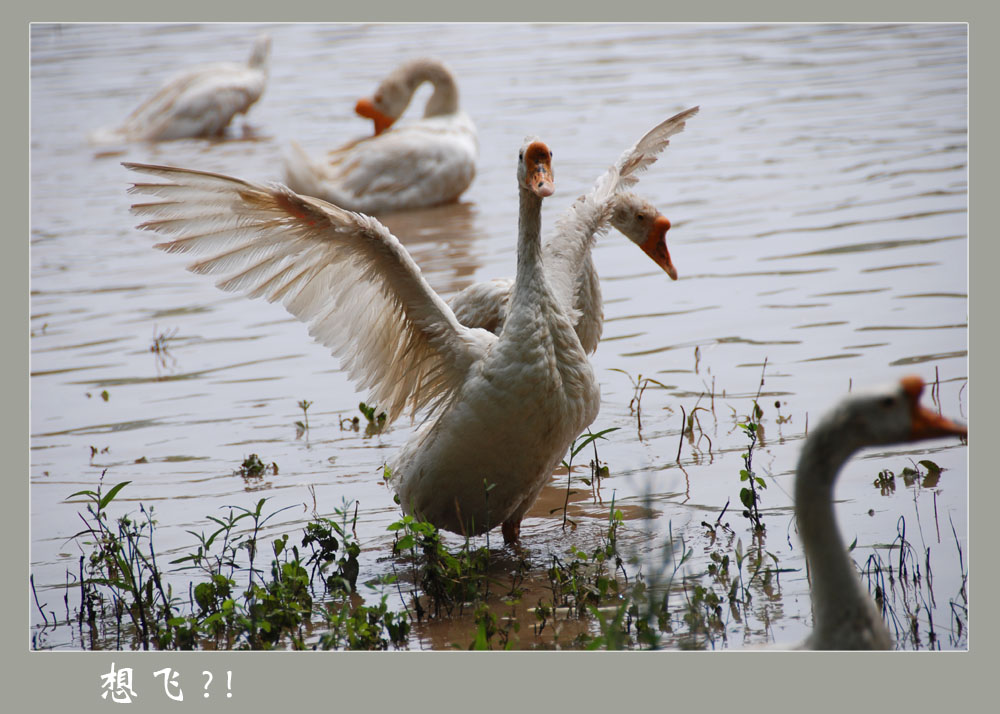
[199,102]
[403,166]
[502,409]
[567,254]
[844,615]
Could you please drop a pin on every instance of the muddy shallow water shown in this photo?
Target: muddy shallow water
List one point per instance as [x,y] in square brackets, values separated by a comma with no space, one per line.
[819,211]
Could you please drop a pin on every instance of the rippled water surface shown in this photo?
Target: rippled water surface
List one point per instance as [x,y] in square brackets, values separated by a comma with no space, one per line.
[819,210]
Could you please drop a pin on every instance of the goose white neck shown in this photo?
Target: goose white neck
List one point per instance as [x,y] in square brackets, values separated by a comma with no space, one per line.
[444,99]
[843,611]
[529,244]
[260,52]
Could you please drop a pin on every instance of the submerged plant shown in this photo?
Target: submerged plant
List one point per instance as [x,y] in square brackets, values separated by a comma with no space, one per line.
[161,348]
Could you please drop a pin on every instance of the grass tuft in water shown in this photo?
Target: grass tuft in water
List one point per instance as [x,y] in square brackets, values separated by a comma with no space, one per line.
[376,422]
[750,493]
[302,427]
[308,592]
[253,468]
[231,602]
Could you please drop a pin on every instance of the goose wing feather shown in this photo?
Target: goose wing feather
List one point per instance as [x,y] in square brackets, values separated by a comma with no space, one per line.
[342,273]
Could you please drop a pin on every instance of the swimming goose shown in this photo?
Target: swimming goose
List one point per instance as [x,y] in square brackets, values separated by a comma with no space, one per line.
[845,617]
[403,166]
[199,102]
[502,409]
[568,252]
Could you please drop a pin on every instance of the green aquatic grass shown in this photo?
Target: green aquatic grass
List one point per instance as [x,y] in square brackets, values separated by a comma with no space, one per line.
[308,590]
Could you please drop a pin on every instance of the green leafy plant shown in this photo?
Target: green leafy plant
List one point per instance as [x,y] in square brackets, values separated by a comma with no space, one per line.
[449,579]
[575,448]
[376,422]
[325,537]
[302,427]
[253,468]
[749,494]
[121,582]
[365,627]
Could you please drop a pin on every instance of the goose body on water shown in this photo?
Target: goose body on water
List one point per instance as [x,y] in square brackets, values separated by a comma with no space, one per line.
[200,102]
[403,166]
[845,617]
[567,253]
[502,409]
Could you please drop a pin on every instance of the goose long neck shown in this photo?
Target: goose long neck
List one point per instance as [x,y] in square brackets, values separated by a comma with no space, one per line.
[824,547]
[444,99]
[529,244]
[260,52]
[838,596]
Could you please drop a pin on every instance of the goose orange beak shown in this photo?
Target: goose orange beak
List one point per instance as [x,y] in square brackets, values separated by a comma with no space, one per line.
[538,162]
[656,246]
[925,423]
[367,109]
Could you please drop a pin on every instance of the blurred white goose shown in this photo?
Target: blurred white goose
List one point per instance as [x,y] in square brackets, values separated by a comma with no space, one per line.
[568,253]
[845,618]
[410,165]
[197,103]
[502,409]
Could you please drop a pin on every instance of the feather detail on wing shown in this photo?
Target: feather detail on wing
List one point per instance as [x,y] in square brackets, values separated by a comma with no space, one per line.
[648,148]
[342,273]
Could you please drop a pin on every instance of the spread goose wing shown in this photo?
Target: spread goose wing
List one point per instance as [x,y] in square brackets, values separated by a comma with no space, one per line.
[342,273]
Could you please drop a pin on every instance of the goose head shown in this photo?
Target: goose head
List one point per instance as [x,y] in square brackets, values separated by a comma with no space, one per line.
[386,105]
[645,226]
[883,417]
[394,93]
[534,167]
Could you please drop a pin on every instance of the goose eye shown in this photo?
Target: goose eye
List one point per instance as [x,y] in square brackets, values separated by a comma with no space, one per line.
[520,155]
[640,217]
[888,402]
